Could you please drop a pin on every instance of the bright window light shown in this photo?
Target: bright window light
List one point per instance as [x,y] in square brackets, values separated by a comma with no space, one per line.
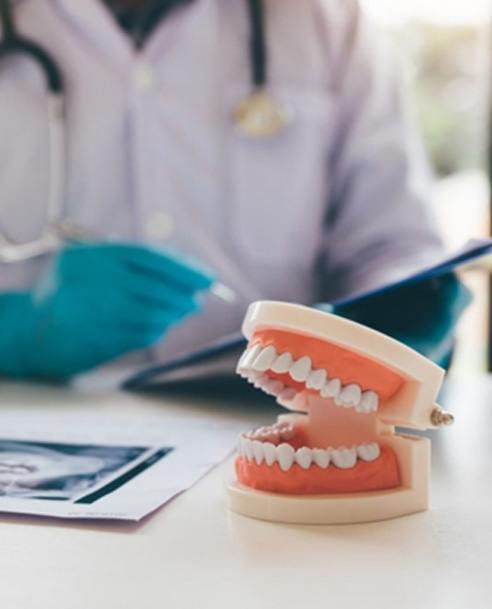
[394,12]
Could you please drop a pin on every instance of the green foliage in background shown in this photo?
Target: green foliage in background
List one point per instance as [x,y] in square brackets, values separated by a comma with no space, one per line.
[450,74]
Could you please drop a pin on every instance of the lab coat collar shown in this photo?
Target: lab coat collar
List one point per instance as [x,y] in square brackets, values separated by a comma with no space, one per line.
[197,21]
[94,20]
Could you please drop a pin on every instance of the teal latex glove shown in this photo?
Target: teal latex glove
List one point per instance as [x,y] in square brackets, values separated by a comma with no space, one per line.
[96,302]
[422,315]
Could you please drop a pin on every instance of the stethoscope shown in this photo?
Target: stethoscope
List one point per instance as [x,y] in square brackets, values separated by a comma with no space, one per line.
[258,116]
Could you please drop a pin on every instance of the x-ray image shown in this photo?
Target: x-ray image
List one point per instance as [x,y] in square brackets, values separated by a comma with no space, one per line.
[94,466]
[42,470]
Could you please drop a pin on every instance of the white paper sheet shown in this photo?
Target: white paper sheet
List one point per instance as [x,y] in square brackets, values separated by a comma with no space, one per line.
[77,467]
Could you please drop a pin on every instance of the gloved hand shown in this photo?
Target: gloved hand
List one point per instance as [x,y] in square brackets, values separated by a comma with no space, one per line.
[422,315]
[95,303]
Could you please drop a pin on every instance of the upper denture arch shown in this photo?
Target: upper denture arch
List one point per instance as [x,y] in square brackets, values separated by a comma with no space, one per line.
[338,362]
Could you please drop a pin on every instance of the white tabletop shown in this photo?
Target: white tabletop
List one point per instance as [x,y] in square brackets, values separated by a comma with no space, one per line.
[193,553]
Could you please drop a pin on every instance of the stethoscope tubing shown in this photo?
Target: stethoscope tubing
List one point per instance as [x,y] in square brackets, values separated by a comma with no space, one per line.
[14,43]
[258,50]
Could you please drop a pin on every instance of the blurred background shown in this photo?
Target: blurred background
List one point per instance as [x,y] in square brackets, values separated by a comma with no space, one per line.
[447,46]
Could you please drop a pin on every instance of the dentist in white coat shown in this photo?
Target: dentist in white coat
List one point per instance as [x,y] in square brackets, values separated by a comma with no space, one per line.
[334,203]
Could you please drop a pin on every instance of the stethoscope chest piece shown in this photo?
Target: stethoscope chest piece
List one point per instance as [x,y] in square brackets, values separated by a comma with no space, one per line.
[260,116]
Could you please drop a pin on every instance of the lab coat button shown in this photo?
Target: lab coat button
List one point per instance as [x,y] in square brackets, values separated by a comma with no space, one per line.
[159,225]
[144,77]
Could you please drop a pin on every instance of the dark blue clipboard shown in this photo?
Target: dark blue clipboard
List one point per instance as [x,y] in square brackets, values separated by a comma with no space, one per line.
[221,354]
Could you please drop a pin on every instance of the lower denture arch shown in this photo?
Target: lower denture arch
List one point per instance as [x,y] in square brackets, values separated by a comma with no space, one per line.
[381,474]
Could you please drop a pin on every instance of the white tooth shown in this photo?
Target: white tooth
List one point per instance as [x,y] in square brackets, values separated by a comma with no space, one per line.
[258,451]
[304,457]
[265,358]
[341,403]
[283,424]
[254,375]
[269,451]
[250,356]
[301,369]
[321,457]
[262,383]
[248,449]
[350,396]
[242,359]
[274,387]
[285,456]
[241,447]
[331,389]
[260,380]
[283,363]
[369,402]
[287,394]
[368,451]
[287,433]
[316,379]
[344,458]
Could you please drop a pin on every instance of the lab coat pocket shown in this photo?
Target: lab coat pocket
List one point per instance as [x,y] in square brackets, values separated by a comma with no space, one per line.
[279,185]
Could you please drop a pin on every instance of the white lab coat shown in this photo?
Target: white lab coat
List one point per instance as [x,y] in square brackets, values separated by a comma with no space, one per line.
[335,204]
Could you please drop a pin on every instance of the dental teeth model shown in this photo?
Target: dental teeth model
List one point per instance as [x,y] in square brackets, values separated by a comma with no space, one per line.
[337,459]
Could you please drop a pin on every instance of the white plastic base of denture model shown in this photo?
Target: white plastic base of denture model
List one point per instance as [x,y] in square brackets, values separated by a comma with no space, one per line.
[412,496]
